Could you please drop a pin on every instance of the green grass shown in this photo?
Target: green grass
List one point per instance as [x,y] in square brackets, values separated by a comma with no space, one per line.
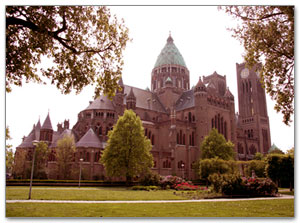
[88,193]
[260,208]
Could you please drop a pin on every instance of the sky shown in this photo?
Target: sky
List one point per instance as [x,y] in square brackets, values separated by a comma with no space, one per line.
[199,32]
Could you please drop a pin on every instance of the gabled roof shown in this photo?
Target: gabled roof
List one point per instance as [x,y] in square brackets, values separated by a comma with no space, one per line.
[47,123]
[27,143]
[102,102]
[57,136]
[90,139]
[145,99]
[185,101]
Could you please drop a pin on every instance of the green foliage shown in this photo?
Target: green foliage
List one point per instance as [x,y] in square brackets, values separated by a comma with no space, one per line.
[258,156]
[127,152]
[9,154]
[291,152]
[258,166]
[19,167]
[41,157]
[64,155]
[147,188]
[151,178]
[215,145]
[267,33]
[234,184]
[280,168]
[84,43]
[216,166]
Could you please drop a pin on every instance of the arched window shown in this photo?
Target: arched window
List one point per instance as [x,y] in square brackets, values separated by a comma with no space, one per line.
[167,164]
[252,150]
[193,139]
[225,130]
[183,139]
[87,158]
[190,117]
[152,139]
[177,138]
[222,132]
[100,130]
[149,135]
[240,148]
[146,132]
[212,123]
[181,165]
[180,137]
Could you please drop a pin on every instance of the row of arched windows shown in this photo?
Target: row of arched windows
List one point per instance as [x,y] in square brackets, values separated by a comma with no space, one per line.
[249,133]
[220,124]
[181,139]
[150,136]
[247,86]
[252,149]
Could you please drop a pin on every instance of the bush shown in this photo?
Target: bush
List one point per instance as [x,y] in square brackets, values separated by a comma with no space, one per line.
[170,181]
[258,166]
[147,188]
[151,178]
[218,166]
[234,184]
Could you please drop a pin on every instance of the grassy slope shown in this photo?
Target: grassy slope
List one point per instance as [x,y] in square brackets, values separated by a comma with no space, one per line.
[262,208]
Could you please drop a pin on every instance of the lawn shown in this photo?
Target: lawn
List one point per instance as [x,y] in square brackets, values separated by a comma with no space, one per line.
[88,193]
[260,208]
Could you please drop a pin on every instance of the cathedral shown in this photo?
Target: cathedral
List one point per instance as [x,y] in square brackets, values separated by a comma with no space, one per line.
[175,117]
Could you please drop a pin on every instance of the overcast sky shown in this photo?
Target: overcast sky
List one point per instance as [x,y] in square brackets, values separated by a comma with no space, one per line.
[200,34]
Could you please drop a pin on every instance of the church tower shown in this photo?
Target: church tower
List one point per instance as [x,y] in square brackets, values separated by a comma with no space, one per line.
[253,114]
[170,76]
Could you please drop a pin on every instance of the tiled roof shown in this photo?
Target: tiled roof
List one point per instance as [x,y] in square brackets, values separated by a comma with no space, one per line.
[90,139]
[47,123]
[102,102]
[27,143]
[56,136]
[169,55]
[145,99]
[185,101]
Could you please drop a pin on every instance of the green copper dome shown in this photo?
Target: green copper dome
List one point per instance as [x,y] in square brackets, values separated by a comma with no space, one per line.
[169,55]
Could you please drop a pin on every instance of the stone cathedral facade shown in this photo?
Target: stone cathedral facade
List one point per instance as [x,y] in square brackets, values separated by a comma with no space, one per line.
[175,117]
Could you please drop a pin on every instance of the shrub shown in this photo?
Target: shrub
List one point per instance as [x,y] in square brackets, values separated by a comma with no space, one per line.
[186,186]
[218,166]
[258,166]
[234,184]
[151,178]
[147,188]
[170,181]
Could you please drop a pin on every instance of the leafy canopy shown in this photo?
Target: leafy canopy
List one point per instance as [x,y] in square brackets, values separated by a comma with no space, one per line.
[127,152]
[64,155]
[267,34]
[83,43]
[215,145]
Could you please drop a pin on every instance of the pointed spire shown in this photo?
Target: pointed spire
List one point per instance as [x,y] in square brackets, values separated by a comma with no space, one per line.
[170,39]
[200,86]
[131,94]
[228,94]
[47,123]
[38,124]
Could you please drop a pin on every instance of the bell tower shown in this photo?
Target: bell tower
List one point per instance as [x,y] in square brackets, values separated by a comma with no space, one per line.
[253,114]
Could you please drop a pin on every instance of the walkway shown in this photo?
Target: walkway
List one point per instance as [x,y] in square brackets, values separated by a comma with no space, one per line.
[150,201]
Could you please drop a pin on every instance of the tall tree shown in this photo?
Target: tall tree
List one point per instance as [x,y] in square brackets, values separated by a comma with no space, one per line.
[41,158]
[84,43]
[215,145]
[267,33]
[9,154]
[64,155]
[127,152]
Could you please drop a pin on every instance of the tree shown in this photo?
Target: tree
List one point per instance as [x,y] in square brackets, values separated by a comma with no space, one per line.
[291,152]
[84,43]
[127,152]
[9,154]
[215,145]
[276,151]
[41,157]
[267,34]
[258,156]
[64,155]
[20,169]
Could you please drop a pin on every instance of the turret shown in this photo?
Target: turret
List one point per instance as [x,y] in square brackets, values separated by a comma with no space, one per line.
[46,132]
[131,100]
